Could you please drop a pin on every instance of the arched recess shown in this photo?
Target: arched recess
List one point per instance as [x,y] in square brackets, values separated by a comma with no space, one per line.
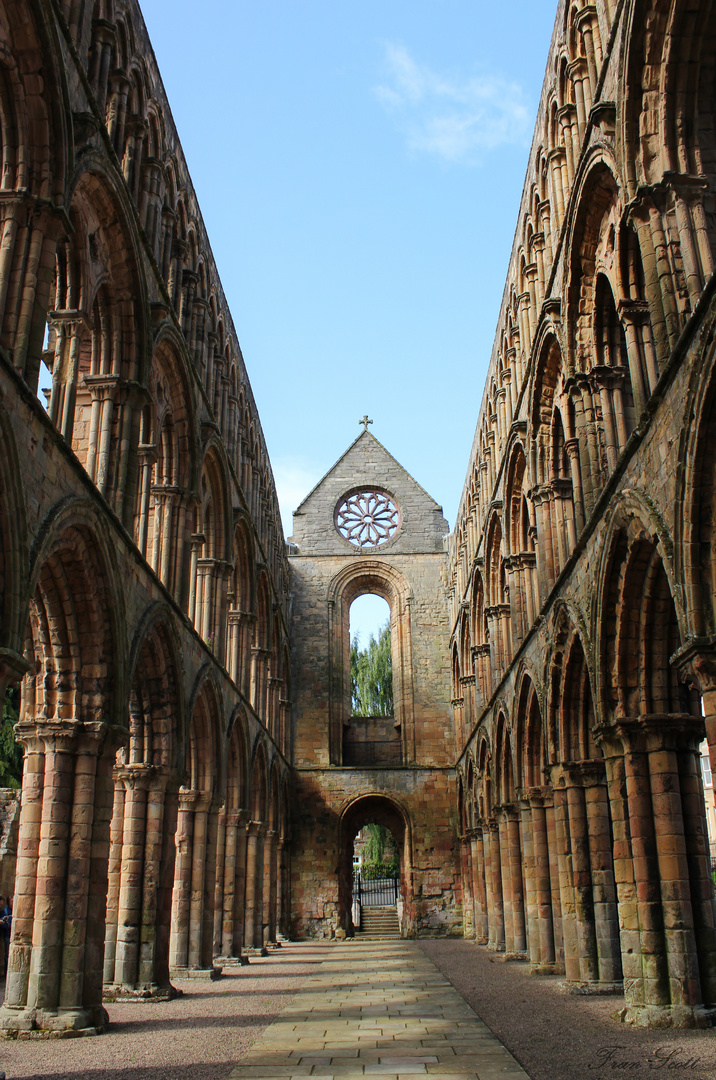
[97,335]
[583,829]
[457,701]
[231,876]
[13,558]
[70,725]
[210,568]
[166,462]
[668,137]
[480,639]
[261,647]
[375,808]
[35,120]
[497,608]
[466,677]
[650,734]
[522,560]
[369,576]
[194,899]
[509,841]
[543,914]
[695,542]
[144,817]
[489,884]
[608,370]
[240,598]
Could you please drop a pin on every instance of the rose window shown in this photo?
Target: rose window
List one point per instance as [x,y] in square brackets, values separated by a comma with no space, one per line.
[367,518]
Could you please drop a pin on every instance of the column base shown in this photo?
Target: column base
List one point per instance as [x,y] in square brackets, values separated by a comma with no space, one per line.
[152,992]
[570,986]
[507,957]
[254,951]
[212,973]
[56,1024]
[233,961]
[543,969]
[668,1016]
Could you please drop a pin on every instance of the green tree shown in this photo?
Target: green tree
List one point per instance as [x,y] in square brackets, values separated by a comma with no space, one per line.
[375,863]
[372,676]
[10,751]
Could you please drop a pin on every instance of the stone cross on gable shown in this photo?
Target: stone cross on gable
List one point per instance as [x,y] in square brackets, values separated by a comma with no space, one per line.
[365,421]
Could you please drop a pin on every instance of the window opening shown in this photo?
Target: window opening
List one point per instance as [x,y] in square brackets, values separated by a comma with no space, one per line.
[370,736]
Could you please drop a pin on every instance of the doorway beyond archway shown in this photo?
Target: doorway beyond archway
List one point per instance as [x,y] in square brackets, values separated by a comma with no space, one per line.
[375,809]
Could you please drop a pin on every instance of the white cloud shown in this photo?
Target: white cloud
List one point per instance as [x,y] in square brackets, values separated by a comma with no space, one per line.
[294,479]
[457,119]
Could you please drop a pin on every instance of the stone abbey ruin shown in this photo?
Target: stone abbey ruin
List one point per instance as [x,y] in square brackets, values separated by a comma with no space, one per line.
[193,780]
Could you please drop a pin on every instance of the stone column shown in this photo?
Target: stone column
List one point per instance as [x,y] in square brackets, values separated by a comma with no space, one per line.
[179,948]
[282,900]
[554,881]
[566,886]
[511,875]
[231,936]
[468,899]
[270,886]
[542,951]
[457,705]
[201,920]
[496,926]
[219,882]
[478,878]
[667,922]
[54,978]
[530,885]
[197,543]
[138,909]
[592,952]
[114,877]
[240,939]
[253,928]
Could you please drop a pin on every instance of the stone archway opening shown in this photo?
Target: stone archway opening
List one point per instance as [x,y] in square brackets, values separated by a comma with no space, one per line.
[371,735]
[376,810]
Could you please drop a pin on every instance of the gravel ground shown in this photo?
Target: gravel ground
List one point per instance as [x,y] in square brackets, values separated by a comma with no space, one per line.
[559,1036]
[199,1036]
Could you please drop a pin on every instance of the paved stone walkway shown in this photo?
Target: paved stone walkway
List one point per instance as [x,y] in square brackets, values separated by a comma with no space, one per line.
[378,1009]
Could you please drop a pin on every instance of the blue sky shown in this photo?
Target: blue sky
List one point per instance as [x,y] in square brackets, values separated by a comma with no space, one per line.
[359,168]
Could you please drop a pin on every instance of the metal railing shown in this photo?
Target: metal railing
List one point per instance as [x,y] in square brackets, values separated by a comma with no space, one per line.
[382,752]
[376,892]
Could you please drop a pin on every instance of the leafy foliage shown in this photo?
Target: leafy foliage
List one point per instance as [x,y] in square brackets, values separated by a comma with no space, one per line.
[372,676]
[10,751]
[375,863]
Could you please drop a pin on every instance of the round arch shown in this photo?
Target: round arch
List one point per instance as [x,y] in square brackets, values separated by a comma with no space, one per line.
[359,577]
[379,809]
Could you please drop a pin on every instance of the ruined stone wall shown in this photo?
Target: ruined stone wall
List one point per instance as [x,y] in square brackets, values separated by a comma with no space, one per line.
[143,578]
[430,878]
[327,573]
[582,595]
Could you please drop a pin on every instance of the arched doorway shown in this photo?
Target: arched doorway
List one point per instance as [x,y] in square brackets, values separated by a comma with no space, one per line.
[376,809]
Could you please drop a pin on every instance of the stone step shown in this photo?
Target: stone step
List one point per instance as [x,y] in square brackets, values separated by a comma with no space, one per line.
[380,923]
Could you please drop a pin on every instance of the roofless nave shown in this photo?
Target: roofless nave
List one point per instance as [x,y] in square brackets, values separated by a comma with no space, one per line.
[188,791]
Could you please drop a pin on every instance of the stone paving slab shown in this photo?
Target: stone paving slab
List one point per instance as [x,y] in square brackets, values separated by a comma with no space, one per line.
[380,1010]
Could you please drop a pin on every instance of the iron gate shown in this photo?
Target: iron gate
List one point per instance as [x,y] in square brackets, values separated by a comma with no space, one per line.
[376,892]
